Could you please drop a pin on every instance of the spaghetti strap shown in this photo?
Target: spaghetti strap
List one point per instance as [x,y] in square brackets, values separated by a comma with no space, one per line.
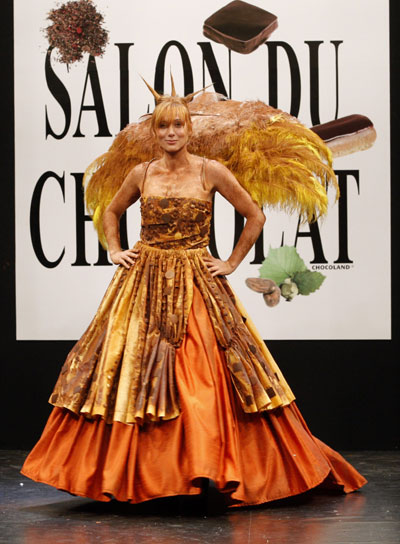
[145,172]
[203,173]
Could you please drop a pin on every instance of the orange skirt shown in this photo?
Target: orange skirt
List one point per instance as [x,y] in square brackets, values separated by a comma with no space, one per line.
[252,458]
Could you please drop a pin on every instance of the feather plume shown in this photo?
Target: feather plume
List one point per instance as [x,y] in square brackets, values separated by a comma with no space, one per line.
[282,165]
[279,161]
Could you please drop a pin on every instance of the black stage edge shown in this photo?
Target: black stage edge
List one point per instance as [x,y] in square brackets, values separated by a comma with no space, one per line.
[347,390]
[39,514]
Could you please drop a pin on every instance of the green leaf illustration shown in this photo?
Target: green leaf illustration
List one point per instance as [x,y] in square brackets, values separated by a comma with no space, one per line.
[308,281]
[281,263]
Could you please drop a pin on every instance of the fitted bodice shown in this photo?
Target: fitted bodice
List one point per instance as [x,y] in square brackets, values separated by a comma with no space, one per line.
[175,222]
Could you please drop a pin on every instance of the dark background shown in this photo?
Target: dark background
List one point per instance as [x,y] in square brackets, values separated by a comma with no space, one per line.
[348,391]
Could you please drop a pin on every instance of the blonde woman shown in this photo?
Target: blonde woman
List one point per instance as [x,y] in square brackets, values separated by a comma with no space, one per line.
[171,385]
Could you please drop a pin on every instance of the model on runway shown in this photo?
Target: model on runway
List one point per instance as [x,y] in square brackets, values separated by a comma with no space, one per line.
[171,384]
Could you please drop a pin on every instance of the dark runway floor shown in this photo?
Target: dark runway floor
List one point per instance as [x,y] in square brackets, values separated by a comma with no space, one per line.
[36,513]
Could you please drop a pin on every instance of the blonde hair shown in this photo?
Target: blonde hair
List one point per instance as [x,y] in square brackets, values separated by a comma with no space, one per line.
[170,108]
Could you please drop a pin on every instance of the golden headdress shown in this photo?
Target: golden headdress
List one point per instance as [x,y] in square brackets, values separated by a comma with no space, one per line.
[279,161]
[160,97]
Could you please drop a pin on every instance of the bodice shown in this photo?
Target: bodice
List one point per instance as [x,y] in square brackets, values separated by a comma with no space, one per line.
[175,222]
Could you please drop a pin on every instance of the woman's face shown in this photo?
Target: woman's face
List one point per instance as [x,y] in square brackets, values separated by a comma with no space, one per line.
[172,135]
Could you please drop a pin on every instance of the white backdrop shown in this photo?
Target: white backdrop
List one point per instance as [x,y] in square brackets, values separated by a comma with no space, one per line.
[354,301]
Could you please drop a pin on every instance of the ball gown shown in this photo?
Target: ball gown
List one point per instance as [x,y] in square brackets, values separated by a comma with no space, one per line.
[172,384]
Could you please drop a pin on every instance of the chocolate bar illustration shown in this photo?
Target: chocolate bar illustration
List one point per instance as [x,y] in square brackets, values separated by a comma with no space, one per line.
[240,26]
[347,135]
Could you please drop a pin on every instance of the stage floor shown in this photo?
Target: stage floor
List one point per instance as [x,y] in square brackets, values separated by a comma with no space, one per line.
[33,513]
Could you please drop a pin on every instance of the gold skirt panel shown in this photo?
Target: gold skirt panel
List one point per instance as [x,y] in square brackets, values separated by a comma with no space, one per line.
[122,369]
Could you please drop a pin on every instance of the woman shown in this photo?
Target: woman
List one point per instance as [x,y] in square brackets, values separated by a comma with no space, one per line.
[171,384]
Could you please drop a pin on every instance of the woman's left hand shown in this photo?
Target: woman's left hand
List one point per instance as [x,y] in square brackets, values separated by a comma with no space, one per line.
[217,267]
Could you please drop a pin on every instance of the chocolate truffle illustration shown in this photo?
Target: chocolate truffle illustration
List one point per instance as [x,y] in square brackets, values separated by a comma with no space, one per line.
[240,26]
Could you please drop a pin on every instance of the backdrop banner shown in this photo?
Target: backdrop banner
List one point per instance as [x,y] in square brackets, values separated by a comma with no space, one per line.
[324,60]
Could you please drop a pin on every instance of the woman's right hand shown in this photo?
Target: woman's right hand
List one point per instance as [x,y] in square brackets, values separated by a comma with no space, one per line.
[125,257]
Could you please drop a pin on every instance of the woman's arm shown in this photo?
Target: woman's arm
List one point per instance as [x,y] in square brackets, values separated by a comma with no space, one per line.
[127,195]
[223,181]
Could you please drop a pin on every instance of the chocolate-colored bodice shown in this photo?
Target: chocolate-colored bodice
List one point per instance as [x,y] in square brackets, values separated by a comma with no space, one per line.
[175,222]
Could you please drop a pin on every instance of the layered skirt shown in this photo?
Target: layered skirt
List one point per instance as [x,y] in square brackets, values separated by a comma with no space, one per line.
[252,458]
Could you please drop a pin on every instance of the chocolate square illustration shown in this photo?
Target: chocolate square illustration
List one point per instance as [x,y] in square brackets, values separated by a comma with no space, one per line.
[240,26]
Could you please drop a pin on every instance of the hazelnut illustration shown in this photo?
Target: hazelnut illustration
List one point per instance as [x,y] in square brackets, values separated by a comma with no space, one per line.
[289,289]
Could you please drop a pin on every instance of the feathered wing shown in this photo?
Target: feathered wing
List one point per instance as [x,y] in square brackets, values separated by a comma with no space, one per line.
[280,162]
[283,164]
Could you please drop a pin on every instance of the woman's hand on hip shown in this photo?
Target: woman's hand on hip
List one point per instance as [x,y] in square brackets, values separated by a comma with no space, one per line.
[217,267]
[125,257]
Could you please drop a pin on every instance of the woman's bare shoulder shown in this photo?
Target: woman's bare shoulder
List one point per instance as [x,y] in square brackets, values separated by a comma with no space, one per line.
[136,173]
[219,175]
[139,168]
[216,168]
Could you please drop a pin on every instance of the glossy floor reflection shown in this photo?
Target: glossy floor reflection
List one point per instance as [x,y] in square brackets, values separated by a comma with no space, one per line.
[33,513]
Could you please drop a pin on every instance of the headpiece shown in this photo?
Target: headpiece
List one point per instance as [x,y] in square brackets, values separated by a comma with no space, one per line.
[159,97]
